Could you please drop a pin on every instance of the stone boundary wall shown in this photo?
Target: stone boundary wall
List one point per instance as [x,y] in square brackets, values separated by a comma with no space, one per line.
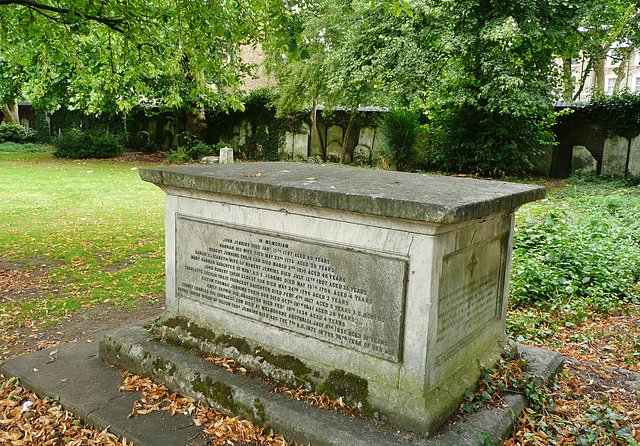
[590,147]
[582,144]
[363,140]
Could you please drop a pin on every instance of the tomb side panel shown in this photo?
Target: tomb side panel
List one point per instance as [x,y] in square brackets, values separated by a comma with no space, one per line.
[346,297]
[471,295]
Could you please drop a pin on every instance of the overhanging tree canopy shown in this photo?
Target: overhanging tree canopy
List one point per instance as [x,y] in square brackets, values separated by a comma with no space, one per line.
[111,55]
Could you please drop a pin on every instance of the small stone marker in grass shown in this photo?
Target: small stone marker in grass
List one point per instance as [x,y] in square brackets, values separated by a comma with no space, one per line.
[388,289]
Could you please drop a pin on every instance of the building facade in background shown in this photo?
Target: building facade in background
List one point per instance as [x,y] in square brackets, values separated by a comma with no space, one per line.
[617,71]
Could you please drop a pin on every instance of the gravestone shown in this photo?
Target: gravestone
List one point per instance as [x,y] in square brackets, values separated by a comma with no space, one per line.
[244,132]
[389,287]
[301,142]
[614,156]
[543,159]
[634,156]
[367,136]
[335,133]
[315,147]
[287,148]
[334,151]
[583,161]
[361,155]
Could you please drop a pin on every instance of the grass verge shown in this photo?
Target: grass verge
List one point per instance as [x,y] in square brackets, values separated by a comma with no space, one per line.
[96,226]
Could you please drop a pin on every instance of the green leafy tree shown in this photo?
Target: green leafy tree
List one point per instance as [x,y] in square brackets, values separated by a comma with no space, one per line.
[483,71]
[348,60]
[597,30]
[111,56]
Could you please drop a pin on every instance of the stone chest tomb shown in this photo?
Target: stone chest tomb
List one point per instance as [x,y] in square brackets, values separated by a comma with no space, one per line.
[394,283]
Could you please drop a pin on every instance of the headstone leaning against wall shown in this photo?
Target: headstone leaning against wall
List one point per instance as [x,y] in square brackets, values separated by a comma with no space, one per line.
[634,156]
[388,289]
[583,161]
[614,156]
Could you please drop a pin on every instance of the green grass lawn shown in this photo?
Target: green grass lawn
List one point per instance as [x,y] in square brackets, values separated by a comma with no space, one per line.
[95,222]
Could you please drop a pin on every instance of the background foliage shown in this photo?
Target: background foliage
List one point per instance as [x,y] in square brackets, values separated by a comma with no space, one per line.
[16,133]
[399,129]
[78,144]
[576,253]
[621,111]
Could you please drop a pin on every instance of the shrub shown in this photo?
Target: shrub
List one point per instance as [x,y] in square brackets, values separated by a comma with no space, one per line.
[476,140]
[149,147]
[583,249]
[192,150]
[179,155]
[16,133]
[399,129]
[91,144]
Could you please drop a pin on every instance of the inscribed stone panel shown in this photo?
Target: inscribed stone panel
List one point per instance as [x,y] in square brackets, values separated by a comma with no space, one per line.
[350,298]
[471,291]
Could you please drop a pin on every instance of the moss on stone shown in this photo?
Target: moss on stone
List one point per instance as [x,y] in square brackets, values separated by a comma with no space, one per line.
[200,332]
[175,322]
[190,327]
[160,366]
[215,391]
[347,385]
[239,343]
[286,362]
[259,411]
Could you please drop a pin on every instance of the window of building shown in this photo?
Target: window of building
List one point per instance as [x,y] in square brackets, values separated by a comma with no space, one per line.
[609,84]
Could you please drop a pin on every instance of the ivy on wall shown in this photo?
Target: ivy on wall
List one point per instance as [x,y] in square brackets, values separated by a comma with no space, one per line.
[619,111]
[267,131]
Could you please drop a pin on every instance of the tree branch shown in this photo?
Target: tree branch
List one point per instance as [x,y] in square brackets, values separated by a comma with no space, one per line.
[112,23]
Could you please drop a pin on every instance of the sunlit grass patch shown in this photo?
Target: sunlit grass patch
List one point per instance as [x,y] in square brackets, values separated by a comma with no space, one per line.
[96,222]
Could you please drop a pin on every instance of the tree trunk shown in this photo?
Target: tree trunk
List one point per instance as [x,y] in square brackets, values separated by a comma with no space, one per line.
[621,71]
[599,69]
[583,78]
[197,122]
[314,126]
[10,112]
[347,134]
[567,79]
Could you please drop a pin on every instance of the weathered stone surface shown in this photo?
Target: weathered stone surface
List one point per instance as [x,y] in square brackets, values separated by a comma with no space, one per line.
[301,142]
[334,151]
[315,147]
[287,149]
[391,194]
[226,155]
[582,161]
[614,157]
[634,156]
[245,132]
[234,140]
[367,136]
[210,160]
[378,142]
[361,155]
[335,133]
[348,298]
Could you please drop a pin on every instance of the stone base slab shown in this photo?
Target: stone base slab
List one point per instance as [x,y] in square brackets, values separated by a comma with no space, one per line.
[135,349]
